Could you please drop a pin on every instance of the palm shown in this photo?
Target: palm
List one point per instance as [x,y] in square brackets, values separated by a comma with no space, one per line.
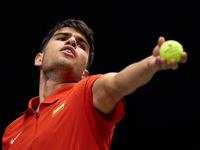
[159,63]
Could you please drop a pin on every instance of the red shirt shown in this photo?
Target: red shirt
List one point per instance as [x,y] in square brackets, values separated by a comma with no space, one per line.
[67,120]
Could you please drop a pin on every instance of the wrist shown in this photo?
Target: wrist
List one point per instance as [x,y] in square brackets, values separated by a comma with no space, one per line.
[151,64]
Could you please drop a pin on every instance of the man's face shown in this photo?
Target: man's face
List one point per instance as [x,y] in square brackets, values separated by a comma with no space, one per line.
[67,53]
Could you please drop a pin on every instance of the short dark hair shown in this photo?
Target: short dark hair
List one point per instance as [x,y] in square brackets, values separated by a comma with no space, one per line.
[78,25]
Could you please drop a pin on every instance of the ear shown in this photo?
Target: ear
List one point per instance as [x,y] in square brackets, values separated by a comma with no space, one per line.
[38,59]
[85,74]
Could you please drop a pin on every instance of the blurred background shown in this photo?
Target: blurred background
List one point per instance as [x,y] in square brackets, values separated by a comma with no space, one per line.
[164,114]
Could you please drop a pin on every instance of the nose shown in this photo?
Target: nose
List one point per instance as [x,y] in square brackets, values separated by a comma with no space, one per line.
[71,41]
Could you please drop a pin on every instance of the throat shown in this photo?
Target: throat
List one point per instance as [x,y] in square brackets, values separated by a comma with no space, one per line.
[35,107]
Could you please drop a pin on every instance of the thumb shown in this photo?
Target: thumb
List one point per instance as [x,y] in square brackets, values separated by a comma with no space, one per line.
[161,40]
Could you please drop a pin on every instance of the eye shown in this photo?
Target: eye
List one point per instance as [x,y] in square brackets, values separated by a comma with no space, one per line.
[61,39]
[82,46]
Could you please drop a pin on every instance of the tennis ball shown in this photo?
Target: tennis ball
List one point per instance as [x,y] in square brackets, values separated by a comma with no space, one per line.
[171,49]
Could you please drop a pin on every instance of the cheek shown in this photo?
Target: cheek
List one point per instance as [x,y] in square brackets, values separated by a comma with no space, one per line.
[48,53]
[50,47]
[84,58]
[50,50]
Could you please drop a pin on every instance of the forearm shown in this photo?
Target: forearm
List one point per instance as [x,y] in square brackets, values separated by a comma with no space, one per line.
[133,76]
[111,87]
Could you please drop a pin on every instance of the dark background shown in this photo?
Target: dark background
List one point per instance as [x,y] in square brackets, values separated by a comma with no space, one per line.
[164,114]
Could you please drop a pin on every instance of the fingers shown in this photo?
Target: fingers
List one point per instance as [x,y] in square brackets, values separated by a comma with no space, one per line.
[184,57]
[173,64]
[161,63]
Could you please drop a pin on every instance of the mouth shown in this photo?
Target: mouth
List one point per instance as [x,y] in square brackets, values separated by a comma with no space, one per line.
[69,50]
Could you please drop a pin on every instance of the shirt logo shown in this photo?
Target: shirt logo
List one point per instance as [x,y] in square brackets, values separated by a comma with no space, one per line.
[58,108]
[12,140]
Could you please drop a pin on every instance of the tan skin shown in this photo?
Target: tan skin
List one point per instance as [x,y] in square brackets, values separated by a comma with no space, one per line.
[58,69]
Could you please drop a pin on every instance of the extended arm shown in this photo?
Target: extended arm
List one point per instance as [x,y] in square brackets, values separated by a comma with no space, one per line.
[111,87]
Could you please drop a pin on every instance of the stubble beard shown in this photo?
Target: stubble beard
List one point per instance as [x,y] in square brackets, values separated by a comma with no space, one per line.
[60,71]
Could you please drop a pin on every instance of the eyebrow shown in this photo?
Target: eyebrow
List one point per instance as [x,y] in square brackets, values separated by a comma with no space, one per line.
[69,34]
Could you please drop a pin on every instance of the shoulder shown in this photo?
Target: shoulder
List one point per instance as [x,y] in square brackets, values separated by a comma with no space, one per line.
[14,127]
[90,79]
[87,82]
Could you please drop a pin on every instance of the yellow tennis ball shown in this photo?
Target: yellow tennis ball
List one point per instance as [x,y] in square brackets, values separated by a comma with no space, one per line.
[171,49]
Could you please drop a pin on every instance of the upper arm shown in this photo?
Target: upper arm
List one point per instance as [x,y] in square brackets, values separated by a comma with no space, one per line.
[105,95]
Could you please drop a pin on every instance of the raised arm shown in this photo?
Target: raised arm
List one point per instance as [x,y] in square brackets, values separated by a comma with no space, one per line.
[111,87]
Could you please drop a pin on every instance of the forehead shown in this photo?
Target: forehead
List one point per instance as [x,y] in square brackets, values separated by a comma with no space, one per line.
[73,31]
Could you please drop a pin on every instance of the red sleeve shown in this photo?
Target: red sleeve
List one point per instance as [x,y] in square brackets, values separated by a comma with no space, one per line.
[106,121]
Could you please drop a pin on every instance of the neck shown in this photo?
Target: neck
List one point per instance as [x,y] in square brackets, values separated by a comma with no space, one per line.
[49,85]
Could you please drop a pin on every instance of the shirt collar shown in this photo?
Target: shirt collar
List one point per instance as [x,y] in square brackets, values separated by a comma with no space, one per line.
[56,95]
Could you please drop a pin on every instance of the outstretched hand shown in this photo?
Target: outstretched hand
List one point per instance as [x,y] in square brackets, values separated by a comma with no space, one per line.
[159,63]
[111,87]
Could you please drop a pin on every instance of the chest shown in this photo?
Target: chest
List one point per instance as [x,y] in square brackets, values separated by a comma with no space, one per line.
[60,122]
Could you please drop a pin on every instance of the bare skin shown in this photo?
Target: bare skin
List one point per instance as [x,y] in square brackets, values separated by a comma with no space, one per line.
[114,86]
[57,68]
